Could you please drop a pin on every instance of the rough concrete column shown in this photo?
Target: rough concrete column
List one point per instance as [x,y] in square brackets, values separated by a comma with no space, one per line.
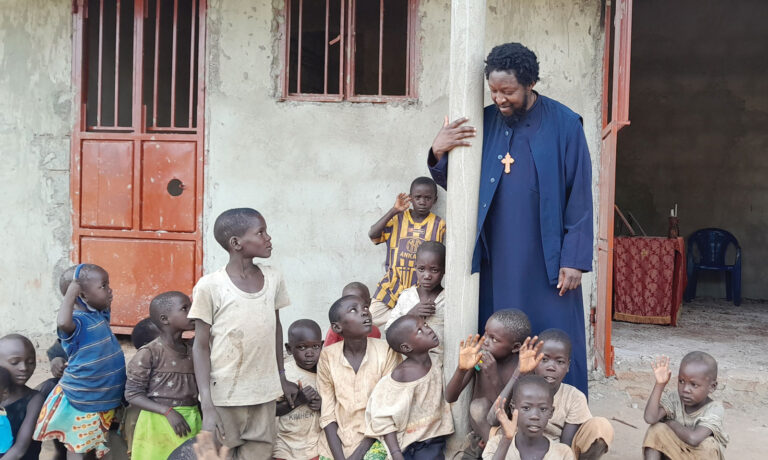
[465,100]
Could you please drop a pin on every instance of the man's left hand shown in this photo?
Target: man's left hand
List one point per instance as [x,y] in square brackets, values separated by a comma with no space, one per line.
[568,280]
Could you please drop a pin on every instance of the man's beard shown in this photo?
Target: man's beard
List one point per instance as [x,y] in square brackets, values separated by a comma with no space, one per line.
[517,114]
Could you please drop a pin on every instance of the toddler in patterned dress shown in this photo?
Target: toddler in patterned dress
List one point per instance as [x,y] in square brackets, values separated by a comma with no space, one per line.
[161,382]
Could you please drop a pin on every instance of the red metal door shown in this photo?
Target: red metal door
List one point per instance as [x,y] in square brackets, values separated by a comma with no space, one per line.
[137,147]
[618,27]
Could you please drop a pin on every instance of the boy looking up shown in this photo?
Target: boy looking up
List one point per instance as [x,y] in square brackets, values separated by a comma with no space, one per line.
[346,375]
[298,428]
[490,363]
[237,350]
[361,290]
[522,438]
[404,230]
[407,408]
[686,424]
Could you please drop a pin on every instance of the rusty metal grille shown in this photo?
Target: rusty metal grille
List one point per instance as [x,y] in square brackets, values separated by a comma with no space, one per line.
[140,65]
[357,50]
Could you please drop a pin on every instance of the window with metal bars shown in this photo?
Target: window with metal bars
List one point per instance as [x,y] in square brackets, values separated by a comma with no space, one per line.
[140,65]
[355,50]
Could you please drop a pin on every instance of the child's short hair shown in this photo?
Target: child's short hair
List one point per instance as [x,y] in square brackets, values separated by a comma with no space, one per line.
[702,357]
[303,324]
[66,279]
[334,313]
[162,303]
[435,247]
[398,329]
[532,380]
[5,378]
[556,335]
[144,332]
[515,322]
[423,180]
[356,285]
[233,222]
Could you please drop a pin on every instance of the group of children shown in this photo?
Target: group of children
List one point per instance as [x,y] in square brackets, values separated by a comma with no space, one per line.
[373,388]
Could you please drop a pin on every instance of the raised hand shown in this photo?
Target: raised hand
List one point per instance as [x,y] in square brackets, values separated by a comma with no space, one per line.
[530,355]
[402,202]
[508,426]
[661,370]
[469,352]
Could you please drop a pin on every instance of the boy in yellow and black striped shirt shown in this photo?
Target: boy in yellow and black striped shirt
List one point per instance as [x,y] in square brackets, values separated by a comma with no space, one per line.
[404,229]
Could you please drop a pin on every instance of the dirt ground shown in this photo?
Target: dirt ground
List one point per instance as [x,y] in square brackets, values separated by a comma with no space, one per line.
[736,336]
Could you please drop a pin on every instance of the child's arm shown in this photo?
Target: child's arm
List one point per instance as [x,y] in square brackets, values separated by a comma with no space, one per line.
[653,409]
[64,321]
[469,356]
[328,410]
[393,447]
[362,448]
[691,436]
[530,356]
[201,358]
[508,429]
[24,435]
[305,395]
[569,431]
[138,371]
[402,203]
[290,389]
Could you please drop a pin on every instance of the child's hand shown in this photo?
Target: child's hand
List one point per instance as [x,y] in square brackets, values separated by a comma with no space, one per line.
[423,309]
[179,425]
[508,426]
[57,367]
[469,352]
[490,371]
[74,288]
[530,355]
[205,448]
[402,202]
[661,370]
[312,397]
[290,390]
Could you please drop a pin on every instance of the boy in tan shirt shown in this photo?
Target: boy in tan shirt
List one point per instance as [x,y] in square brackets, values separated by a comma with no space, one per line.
[298,428]
[346,375]
[408,408]
[237,355]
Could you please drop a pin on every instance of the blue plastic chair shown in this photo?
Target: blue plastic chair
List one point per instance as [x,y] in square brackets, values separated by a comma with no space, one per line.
[712,244]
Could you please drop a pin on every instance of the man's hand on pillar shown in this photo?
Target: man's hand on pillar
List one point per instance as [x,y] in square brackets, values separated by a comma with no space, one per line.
[452,135]
[568,280]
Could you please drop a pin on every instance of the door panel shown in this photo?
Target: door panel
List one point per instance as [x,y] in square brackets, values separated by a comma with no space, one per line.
[139,270]
[107,188]
[168,186]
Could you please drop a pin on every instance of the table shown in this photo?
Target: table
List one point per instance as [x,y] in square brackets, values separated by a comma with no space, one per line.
[649,278]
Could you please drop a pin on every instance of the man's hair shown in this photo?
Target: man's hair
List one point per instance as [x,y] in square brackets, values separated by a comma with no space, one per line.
[423,180]
[334,313]
[356,285]
[515,322]
[162,303]
[556,335]
[435,247]
[397,331]
[144,332]
[233,222]
[531,380]
[513,58]
[305,324]
[702,357]
[5,378]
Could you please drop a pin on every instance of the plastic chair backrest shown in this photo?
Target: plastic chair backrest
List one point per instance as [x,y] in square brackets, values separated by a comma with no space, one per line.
[712,244]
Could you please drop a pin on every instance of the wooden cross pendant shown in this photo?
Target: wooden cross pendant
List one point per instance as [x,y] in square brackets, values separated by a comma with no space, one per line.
[507,162]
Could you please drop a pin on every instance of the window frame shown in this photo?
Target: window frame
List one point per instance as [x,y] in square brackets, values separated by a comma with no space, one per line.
[347,64]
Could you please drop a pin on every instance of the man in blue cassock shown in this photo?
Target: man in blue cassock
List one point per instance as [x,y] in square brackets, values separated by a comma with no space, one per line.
[534,222]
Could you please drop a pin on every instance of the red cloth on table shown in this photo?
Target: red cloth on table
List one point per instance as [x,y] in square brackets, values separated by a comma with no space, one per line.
[648,279]
[332,337]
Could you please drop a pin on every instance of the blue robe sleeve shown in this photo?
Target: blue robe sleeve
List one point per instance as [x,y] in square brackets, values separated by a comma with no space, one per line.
[438,169]
[577,246]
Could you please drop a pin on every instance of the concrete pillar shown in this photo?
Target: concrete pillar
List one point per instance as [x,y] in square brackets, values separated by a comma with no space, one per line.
[465,93]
